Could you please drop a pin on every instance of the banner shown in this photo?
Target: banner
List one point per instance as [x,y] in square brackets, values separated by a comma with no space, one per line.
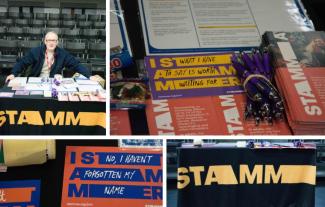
[114,177]
[232,177]
[20,193]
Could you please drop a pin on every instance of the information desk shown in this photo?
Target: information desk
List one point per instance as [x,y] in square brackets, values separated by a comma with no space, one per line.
[233,177]
[36,115]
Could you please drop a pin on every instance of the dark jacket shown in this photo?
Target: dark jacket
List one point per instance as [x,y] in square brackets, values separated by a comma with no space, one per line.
[35,58]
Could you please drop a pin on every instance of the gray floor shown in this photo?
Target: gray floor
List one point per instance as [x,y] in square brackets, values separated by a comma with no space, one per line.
[320,197]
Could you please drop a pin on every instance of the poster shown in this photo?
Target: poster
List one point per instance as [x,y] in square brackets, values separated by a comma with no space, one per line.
[192,26]
[20,193]
[195,75]
[111,176]
[120,122]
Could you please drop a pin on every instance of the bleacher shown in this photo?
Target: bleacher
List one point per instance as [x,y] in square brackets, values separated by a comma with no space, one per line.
[83,35]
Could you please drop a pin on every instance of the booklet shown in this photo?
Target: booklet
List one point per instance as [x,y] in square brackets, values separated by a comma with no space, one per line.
[112,176]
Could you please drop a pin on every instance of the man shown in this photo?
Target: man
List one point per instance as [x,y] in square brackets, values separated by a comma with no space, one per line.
[48,60]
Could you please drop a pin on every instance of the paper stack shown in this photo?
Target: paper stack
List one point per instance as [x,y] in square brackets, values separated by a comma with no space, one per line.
[299,59]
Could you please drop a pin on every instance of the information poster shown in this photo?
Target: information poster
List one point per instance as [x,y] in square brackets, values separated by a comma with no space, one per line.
[188,76]
[120,122]
[20,193]
[112,177]
[192,26]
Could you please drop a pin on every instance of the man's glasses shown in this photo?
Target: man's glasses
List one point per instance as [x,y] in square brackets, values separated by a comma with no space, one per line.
[49,40]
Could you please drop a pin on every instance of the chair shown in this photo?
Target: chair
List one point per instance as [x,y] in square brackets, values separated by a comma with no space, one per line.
[93,17]
[53,23]
[41,16]
[26,45]
[37,23]
[102,35]
[81,17]
[7,22]
[97,51]
[71,33]
[68,16]
[3,15]
[3,32]
[84,25]
[27,15]
[78,49]
[21,22]
[34,33]
[9,47]
[53,16]
[13,15]
[16,32]
[99,25]
[89,34]
[68,24]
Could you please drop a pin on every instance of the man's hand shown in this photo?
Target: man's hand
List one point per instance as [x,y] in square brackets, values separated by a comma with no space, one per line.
[10,77]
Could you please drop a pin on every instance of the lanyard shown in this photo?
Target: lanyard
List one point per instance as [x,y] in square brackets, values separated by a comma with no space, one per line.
[49,61]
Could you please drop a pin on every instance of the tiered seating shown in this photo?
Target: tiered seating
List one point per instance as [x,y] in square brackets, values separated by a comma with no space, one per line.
[82,35]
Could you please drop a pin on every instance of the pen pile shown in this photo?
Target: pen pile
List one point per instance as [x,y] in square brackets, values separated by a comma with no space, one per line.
[263,100]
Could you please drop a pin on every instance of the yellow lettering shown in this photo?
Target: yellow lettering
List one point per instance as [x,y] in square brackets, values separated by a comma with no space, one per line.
[159,74]
[11,115]
[227,71]
[270,173]
[257,174]
[221,174]
[2,118]
[197,174]
[30,117]
[71,119]
[166,62]
[152,63]
[182,180]
[50,119]
[169,85]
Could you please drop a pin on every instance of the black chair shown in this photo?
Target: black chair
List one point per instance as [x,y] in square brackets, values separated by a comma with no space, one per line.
[103,18]
[3,32]
[53,23]
[22,22]
[53,16]
[7,22]
[37,23]
[68,16]
[41,16]
[34,33]
[97,51]
[84,25]
[81,17]
[13,15]
[93,17]
[68,24]
[3,15]
[78,49]
[99,25]
[15,33]
[71,34]
[9,47]
[27,15]
[26,45]
[89,34]
[102,35]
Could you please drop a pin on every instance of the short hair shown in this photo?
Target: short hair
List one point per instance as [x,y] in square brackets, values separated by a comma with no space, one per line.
[51,32]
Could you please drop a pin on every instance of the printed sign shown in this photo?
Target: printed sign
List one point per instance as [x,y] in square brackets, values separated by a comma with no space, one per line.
[20,193]
[114,177]
[188,76]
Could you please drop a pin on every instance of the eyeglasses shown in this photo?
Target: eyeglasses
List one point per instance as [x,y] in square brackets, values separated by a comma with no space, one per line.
[49,40]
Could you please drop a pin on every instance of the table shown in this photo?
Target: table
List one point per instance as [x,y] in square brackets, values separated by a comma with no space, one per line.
[243,177]
[36,115]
